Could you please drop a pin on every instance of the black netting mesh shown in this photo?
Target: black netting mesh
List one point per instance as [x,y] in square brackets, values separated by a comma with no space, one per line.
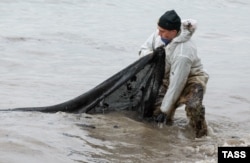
[133,88]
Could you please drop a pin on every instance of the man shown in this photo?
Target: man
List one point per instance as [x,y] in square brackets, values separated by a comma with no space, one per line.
[185,80]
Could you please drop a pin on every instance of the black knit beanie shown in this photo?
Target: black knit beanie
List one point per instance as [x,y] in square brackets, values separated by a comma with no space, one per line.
[170,21]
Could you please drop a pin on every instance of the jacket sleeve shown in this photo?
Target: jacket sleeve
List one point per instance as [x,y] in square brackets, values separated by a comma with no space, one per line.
[179,73]
[148,46]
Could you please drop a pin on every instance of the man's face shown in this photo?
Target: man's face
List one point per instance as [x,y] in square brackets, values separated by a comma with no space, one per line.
[167,34]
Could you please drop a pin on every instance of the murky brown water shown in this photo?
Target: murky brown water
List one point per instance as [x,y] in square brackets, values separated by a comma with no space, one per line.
[112,137]
[52,51]
[135,141]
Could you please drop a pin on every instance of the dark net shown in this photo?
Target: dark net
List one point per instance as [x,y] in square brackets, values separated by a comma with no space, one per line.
[134,88]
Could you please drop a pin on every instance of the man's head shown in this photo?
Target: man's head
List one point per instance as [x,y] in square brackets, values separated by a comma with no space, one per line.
[169,25]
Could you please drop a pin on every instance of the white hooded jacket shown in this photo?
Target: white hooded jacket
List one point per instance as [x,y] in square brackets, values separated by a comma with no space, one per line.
[182,63]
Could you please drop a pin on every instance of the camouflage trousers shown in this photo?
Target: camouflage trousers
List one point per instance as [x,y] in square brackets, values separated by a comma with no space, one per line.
[192,97]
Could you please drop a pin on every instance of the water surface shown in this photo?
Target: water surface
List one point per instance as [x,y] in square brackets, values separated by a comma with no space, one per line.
[52,51]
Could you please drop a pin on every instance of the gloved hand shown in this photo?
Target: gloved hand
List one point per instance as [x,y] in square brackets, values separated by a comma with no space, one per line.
[160,49]
[161,118]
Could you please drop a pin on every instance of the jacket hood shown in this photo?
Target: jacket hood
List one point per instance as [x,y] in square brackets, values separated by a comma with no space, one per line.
[188,27]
